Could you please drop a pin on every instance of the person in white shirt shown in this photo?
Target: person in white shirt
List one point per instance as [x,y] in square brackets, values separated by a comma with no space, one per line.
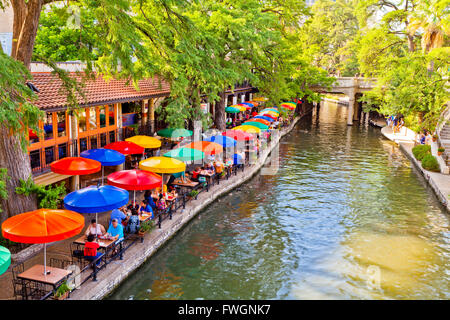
[95,229]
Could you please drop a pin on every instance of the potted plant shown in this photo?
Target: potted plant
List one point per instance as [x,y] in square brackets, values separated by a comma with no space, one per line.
[435,137]
[440,151]
[192,194]
[145,227]
[62,292]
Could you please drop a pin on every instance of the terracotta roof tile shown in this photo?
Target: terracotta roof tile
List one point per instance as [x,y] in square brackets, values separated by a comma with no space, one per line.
[97,92]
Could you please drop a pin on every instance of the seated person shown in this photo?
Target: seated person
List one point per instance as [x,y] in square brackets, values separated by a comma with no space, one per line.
[96,229]
[158,190]
[133,205]
[133,223]
[173,192]
[171,181]
[209,167]
[196,173]
[179,175]
[228,162]
[119,215]
[146,208]
[161,203]
[115,231]
[218,166]
[90,249]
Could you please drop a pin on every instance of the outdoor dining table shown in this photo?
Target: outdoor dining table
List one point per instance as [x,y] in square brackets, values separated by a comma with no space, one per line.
[209,176]
[144,217]
[54,276]
[105,244]
[188,185]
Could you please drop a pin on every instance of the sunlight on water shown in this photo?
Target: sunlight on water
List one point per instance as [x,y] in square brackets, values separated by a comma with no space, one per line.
[345,217]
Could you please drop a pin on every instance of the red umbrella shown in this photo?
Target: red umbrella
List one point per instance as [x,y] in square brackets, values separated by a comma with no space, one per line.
[75,166]
[125,147]
[238,135]
[134,180]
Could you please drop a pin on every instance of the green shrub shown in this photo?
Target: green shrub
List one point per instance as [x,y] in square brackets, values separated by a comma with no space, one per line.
[420,151]
[430,163]
[146,226]
[48,197]
[193,193]
[441,149]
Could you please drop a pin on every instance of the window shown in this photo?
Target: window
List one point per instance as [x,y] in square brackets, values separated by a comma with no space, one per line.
[35,159]
[83,144]
[112,116]
[82,121]
[102,117]
[61,118]
[103,140]
[49,155]
[94,142]
[92,119]
[48,126]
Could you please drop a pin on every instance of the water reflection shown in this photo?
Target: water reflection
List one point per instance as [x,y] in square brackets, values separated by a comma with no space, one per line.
[345,217]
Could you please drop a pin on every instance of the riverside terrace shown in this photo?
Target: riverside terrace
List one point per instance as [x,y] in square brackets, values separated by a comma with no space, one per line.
[68,255]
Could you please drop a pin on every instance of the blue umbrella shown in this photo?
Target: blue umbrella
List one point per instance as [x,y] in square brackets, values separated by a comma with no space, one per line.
[95,199]
[237,159]
[224,141]
[248,104]
[106,157]
[265,118]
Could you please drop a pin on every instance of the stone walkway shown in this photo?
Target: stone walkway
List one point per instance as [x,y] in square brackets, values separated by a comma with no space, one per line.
[119,270]
[440,183]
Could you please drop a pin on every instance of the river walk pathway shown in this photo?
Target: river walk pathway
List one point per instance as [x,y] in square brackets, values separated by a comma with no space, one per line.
[440,183]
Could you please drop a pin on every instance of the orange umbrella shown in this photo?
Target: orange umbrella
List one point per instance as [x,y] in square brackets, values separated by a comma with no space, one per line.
[43,226]
[207,147]
[75,166]
[267,123]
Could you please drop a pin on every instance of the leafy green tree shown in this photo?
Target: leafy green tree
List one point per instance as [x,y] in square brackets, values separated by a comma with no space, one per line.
[66,35]
[327,34]
[406,87]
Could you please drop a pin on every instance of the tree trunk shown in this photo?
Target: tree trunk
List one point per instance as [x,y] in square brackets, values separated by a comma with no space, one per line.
[18,164]
[12,157]
[411,45]
[220,117]
[25,29]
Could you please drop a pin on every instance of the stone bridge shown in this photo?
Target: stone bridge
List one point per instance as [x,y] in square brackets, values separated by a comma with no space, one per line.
[352,87]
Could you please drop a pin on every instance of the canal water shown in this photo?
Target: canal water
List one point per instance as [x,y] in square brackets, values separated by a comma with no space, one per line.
[346,217]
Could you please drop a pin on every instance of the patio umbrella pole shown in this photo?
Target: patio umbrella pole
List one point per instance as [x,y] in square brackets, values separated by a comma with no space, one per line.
[45,259]
[103,172]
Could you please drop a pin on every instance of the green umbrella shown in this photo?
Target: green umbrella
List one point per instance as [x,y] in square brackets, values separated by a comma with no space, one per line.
[185,154]
[232,110]
[174,133]
[5,259]
[260,125]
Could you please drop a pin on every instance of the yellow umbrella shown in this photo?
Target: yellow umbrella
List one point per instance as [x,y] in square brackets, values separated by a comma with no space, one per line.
[261,99]
[241,108]
[162,165]
[145,141]
[248,129]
